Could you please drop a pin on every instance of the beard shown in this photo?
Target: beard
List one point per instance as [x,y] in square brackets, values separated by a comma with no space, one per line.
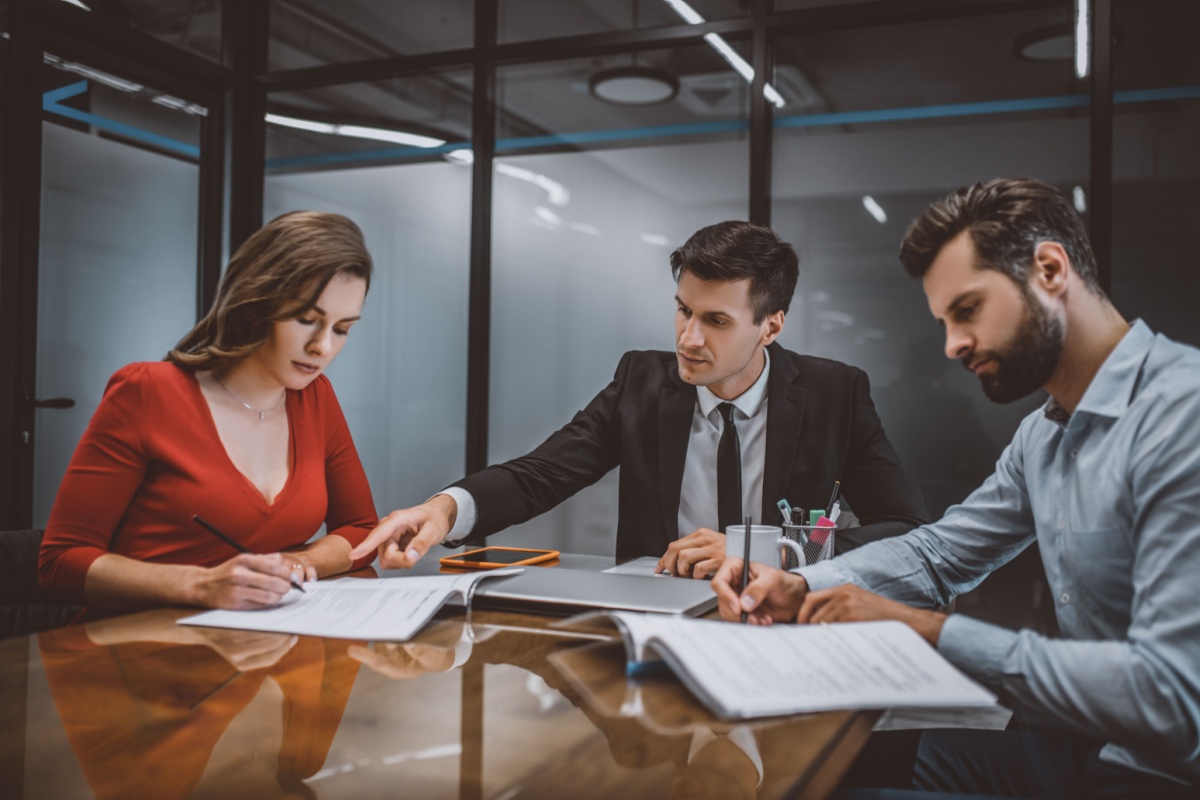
[1027,361]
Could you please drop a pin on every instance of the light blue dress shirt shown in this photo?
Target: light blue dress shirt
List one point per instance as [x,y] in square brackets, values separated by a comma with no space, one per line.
[1112,496]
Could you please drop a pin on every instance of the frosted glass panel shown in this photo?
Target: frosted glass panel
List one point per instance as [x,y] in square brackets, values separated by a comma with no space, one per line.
[402,377]
[577,284]
[117,279]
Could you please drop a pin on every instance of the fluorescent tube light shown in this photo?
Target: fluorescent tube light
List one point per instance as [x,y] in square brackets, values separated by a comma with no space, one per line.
[718,43]
[1082,32]
[356,131]
[874,209]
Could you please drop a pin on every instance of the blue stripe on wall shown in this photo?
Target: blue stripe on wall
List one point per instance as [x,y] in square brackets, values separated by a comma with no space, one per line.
[51,102]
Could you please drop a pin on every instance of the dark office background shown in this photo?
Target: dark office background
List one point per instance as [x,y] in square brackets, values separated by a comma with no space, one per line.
[522,243]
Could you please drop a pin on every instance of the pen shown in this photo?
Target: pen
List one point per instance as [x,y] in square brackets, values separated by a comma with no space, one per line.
[837,487]
[786,509]
[745,558]
[236,545]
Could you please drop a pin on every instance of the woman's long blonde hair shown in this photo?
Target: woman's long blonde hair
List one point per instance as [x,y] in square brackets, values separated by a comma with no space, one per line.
[278,273]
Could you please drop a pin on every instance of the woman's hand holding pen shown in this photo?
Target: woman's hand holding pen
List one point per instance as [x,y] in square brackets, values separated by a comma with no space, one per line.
[772,595]
[247,581]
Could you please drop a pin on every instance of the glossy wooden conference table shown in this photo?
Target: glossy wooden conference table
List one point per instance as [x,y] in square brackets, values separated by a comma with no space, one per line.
[494,705]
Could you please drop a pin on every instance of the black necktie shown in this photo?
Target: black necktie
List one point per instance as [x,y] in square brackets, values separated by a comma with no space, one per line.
[729,472]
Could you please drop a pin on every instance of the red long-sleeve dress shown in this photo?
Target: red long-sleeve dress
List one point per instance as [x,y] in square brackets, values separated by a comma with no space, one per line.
[151,458]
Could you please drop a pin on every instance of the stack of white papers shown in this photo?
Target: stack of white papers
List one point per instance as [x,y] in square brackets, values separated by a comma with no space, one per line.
[387,609]
[746,671]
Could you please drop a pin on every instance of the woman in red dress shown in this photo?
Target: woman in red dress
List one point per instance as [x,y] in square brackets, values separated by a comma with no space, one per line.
[237,426]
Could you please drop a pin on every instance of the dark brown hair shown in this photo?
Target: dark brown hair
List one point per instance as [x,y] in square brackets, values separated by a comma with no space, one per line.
[733,251]
[1007,219]
[278,273]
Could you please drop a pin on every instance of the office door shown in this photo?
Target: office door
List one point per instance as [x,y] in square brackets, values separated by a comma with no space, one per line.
[117,273]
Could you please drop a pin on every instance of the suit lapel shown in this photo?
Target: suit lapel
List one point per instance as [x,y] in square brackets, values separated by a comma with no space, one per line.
[676,404]
[785,413]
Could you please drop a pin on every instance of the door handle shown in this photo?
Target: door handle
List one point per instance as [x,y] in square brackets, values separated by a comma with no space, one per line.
[54,402]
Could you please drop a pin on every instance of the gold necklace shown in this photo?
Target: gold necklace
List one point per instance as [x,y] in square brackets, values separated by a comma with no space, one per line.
[261,414]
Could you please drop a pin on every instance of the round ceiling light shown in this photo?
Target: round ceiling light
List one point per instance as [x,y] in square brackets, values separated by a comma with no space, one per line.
[634,85]
[1052,43]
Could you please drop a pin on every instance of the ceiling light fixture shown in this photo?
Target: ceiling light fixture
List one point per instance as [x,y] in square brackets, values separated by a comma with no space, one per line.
[1064,42]
[1082,31]
[356,131]
[634,85]
[718,43]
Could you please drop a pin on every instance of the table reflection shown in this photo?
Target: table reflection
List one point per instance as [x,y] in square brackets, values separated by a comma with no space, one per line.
[149,705]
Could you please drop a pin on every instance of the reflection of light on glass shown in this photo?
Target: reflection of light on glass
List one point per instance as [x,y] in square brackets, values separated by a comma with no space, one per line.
[548,216]
[461,156]
[100,77]
[453,749]
[1080,199]
[77,4]
[874,209]
[656,239]
[556,193]
[583,227]
[301,124]
[1082,13]
[718,43]
[180,105]
[356,131]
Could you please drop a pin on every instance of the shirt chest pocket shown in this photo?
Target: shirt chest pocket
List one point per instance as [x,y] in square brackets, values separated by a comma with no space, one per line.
[1101,560]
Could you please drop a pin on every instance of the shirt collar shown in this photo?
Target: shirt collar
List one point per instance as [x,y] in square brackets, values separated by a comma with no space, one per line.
[748,402]
[1111,390]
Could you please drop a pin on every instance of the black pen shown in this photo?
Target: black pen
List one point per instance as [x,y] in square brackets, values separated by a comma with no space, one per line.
[745,559]
[236,545]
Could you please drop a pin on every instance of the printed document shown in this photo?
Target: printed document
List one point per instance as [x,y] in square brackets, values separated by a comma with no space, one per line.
[745,671]
[387,609]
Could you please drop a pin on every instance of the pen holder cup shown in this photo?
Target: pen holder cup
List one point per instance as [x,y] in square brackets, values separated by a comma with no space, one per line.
[768,545]
[815,542]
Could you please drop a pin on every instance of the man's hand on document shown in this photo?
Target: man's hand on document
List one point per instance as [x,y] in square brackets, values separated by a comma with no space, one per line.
[772,595]
[850,603]
[403,536]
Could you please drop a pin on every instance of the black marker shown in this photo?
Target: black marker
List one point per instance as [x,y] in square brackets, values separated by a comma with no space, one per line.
[236,545]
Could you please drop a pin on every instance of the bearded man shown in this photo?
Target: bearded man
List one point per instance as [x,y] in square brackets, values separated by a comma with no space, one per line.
[1105,477]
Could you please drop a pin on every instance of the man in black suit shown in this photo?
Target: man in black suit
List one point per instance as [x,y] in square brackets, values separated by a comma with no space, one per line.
[673,421]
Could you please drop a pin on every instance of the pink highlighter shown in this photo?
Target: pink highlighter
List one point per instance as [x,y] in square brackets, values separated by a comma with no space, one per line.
[825,526]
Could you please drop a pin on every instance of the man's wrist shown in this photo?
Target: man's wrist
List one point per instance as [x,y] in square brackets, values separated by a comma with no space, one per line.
[445,506]
[928,624]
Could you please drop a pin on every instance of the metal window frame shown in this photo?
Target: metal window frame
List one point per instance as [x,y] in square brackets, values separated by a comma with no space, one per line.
[233,148]
[36,27]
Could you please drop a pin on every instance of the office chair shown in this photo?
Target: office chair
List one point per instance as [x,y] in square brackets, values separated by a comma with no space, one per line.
[24,608]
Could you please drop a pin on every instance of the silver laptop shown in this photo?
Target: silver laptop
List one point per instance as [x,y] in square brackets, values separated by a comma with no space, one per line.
[560,591]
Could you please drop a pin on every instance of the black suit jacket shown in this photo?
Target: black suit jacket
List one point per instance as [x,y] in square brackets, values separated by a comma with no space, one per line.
[821,427]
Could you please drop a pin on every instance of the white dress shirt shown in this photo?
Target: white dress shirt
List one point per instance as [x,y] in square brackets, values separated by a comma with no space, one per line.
[698,493]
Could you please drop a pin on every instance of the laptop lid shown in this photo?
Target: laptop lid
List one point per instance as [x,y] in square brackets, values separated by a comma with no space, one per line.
[558,590]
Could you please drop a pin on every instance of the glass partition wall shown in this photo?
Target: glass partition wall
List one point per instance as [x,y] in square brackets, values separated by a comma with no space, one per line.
[389,155]
[522,170]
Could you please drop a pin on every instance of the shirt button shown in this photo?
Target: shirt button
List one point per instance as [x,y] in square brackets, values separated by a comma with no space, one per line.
[1075,453]
[1065,598]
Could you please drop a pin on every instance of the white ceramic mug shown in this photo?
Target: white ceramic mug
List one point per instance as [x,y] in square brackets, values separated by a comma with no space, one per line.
[766,542]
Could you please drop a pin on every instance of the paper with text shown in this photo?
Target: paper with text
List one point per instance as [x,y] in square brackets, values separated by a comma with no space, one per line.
[743,671]
[387,609]
[639,566]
